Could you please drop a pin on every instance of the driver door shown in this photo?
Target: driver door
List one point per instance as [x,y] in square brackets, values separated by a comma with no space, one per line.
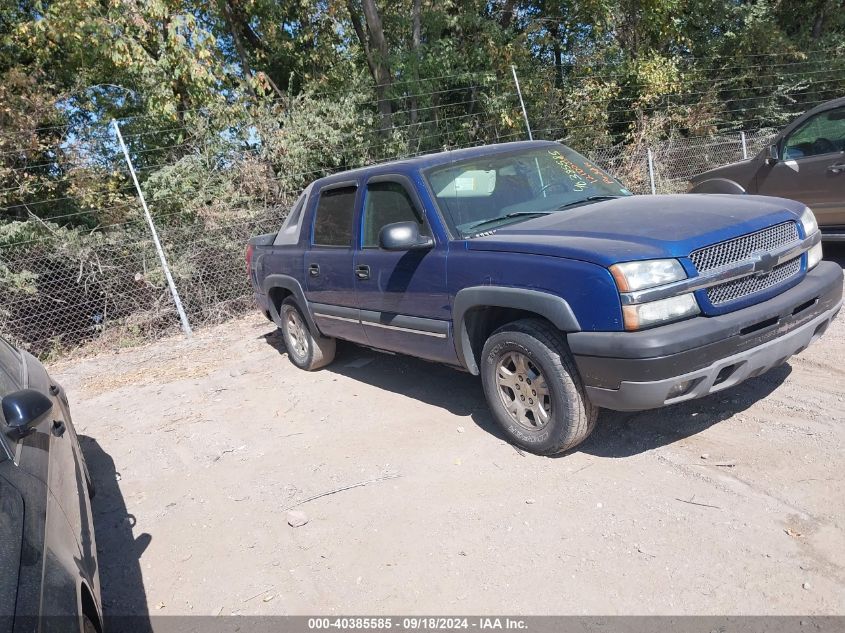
[402,294]
[812,167]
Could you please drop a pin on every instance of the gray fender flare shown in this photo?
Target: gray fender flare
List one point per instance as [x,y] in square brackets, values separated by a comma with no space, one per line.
[291,284]
[547,305]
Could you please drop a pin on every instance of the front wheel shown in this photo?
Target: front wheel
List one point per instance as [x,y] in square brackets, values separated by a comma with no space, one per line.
[305,350]
[533,389]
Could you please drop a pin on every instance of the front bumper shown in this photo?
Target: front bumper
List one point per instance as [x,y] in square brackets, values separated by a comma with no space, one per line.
[631,371]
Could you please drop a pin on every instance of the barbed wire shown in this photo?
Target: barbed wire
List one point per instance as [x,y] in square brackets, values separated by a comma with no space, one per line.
[548,72]
[680,93]
[325,170]
[317,144]
[652,108]
[104,126]
[683,93]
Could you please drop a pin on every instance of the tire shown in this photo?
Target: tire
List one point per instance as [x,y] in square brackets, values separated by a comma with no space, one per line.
[533,388]
[305,350]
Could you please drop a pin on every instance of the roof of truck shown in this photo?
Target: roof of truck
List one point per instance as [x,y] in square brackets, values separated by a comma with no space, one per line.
[424,161]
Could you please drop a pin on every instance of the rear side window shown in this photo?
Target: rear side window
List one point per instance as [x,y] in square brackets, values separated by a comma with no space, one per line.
[388,202]
[333,219]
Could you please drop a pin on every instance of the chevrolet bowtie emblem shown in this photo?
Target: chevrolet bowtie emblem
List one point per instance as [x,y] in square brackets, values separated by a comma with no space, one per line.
[764,264]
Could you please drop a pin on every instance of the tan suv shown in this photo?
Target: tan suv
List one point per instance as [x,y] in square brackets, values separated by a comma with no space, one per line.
[805,162]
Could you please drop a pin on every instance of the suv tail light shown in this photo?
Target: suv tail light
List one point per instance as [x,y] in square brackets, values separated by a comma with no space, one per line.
[249,249]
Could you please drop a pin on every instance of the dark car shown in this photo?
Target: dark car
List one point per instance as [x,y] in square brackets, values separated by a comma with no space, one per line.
[805,162]
[49,579]
[528,265]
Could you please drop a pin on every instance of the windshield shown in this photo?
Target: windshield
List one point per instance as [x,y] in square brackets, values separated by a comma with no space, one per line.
[487,192]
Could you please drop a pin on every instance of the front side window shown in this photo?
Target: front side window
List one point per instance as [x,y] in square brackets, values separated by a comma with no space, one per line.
[333,218]
[822,134]
[487,192]
[388,202]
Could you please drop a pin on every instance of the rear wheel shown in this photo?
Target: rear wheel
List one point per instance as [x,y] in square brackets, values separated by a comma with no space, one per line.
[305,350]
[533,389]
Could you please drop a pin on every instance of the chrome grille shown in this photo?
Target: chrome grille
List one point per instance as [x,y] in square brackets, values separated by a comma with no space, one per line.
[740,248]
[738,288]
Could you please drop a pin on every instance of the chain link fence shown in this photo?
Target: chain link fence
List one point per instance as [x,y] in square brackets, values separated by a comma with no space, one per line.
[111,292]
[104,288]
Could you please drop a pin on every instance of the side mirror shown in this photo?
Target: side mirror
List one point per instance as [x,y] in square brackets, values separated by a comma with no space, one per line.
[403,236]
[772,155]
[24,410]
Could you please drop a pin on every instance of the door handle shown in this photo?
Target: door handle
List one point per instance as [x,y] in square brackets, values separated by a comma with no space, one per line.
[362,271]
[314,270]
[836,168]
[58,428]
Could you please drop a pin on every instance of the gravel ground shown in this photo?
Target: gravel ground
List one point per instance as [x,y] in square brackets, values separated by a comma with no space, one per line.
[731,504]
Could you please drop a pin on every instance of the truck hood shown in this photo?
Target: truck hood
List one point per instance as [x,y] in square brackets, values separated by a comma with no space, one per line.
[640,227]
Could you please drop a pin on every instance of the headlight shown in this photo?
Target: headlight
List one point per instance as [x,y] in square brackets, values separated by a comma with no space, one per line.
[643,315]
[814,256]
[808,221]
[632,276]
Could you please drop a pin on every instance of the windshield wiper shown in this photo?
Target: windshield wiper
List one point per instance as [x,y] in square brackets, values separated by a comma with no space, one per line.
[587,199]
[515,214]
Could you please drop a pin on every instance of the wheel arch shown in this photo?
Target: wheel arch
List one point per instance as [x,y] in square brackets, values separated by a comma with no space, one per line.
[278,288]
[718,185]
[89,607]
[479,310]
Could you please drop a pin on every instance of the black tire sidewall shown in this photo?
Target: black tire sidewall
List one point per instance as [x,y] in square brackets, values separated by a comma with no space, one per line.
[547,439]
[301,362]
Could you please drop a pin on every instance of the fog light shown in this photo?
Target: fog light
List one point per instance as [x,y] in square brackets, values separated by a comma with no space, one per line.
[681,389]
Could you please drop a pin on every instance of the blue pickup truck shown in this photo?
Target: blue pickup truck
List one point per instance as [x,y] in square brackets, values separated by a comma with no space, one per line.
[528,265]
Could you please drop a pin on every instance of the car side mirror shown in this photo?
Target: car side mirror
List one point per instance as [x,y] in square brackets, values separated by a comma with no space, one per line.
[24,410]
[772,155]
[403,236]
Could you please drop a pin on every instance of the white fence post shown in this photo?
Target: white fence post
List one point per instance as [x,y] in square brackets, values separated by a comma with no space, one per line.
[522,104]
[744,145]
[651,171]
[186,327]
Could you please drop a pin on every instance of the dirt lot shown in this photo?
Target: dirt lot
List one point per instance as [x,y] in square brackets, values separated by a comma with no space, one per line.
[732,504]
